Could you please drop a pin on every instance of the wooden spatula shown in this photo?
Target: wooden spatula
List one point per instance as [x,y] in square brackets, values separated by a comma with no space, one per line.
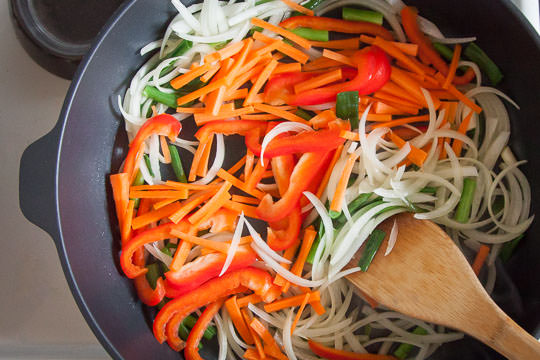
[427,277]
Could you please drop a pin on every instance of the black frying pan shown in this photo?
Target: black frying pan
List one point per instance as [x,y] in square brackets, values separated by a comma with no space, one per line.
[64,175]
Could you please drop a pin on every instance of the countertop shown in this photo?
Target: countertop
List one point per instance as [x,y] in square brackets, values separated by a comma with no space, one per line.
[38,316]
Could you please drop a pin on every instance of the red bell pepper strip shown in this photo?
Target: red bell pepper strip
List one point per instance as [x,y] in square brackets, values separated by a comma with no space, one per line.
[338,25]
[282,168]
[305,170]
[206,267]
[426,50]
[163,124]
[308,141]
[282,239]
[191,351]
[334,354]
[149,236]
[149,296]
[223,220]
[227,127]
[233,282]
[373,72]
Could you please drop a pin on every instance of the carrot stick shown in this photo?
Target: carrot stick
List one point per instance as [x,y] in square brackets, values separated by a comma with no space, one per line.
[397,54]
[408,83]
[236,94]
[289,67]
[238,165]
[250,159]
[251,354]
[249,211]
[328,172]
[392,88]
[213,70]
[291,301]
[288,254]
[184,79]
[226,52]
[256,339]
[346,44]
[305,247]
[245,199]
[162,203]
[386,97]
[298,7]
[453,67]
[329,54]
[190,110]
[287,49]
[379,117]
[165,149]
[238,320]
[322,119]
[239,61]
[402,121]
[407,48]
[159,194]
[339,195]
[214,100]
[203,118]
[219,246]
[203,142]
[213,205]
[278,112]
[392,108]
[463,127]
[203,164]
[125,230]
[300,311]
[321,63]
[155,215]
[157,187]
[249,299]
[267,338]
[202,91]
[120,188]
[459,95]
[179,185]
[480,259]
[190,204]
[416,155]
[317,81]
[260,117]
[261,79]
[283,32]
[256,175]
[239,184]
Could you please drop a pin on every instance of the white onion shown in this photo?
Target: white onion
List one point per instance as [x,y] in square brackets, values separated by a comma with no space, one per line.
[280,129]
[235,241]
[217,164]
[392,238]
[263,246]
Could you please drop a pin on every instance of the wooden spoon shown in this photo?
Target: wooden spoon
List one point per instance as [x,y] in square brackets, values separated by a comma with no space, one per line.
[427,277]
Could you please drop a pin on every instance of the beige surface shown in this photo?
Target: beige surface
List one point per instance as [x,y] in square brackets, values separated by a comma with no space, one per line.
[38,316]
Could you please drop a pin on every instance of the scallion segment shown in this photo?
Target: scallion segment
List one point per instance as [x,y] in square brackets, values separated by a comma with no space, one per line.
[429,190]
[478,56]
[508,249]
[463,210]
[403,350]
[210,331]
[168,99]
[176,164]
[153,274]
[347,107]
[444,50]
[148,165]
[312,4]
[303,114]
[311,34]
[372,245]
[362,15]
[181,49]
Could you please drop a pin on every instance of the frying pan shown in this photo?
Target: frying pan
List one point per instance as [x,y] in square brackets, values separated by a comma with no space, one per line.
[64,175]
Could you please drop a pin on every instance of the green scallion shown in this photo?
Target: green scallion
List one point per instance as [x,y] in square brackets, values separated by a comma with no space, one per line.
[148,166]
[508,249]
[347,107]
[404,349]
[176,164]
[153,274]
[311,34]
[444,50]
[181,49]
[463,210]
[190,321]
[362,15]
[478,56]
[372,245]
[429,190]
[168,99]
[303,114]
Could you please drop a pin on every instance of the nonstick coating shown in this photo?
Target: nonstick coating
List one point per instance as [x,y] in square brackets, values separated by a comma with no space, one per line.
[68,169]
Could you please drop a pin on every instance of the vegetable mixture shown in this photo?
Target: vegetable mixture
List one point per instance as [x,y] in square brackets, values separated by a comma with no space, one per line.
[309,131]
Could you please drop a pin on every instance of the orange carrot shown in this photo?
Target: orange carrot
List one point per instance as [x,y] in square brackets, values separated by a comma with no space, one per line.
[159,194]
[463,127]
[120,188]
[381,108]
[249,211]
[291,301]
[239,184]
[288,254]
[125,230]
[249,299]
[328,172]
[256,339]
[210,73]
[238,320]
[239,61]
[298,7]
[339,195]
[169,184]
[203,118]
[162,203]
[392,88]
[219,246]
[155,215]
[305,247]
[283,32]
[289,67]
[203,164]
[165,149]
[190,110]
[407,48]
[238,165]
[278,112]
[402,121]
[322,119]
[480,258]
[226,52]
[251,354]
[213,205]
[387,97]
[245,199]
[190,204]
[300,311]
[261,79]
[317,81]
[453,67]
[329,54]
[183,79]
[378,117]
[236,94]
[214,100]
[321,63]
[346,44]
[203,142]
[408,83]
[417,156]
[250,159]
[260,117]
[267,338]
[287,49]
[459,95]
[391,49]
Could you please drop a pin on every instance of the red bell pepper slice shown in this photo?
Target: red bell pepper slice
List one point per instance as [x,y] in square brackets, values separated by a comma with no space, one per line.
[230,127]
[171,315]
[282,168]
[163,124]
[149,296]
[223,220]
[206,267]
[191,351]
[305,170]
[161,232]
[308,141]
[334,354]
[282,239]
[338,25]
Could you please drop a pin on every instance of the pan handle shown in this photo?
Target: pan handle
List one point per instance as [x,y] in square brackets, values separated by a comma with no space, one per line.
[37,182]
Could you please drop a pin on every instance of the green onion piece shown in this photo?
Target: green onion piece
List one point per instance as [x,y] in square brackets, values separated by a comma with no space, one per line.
[259,2]
[404,349]
[444,50]
[255,29]
[347,107]
[153,274]
[162,303]
[147,162]
[190,321]
[312,4]
[508,249]
[176,164]
[498,204]
[183,332]
[311,34]
[362,15]
[477,55]
[334,214]
[372,245]
[367,330]
[139,180]
[303,114]
[315,245]
[355,205]
[219,45]
[463,210]
[429,190]
[161,97]
[181,49]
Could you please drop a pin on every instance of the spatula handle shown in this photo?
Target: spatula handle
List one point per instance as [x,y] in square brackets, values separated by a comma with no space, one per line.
[514,342]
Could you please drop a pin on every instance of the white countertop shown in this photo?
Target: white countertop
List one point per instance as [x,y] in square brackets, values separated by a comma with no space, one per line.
[38,316]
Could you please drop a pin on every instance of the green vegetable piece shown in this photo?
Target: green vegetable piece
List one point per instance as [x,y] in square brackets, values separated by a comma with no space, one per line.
[190,321]
[478,56]
[311,34]
[463,210]
[347,107]
[219,45]
[183,332]
[334,214]
[312,4]
[161,97]
[313,250]
[508,249]
[153,274]
[498,204]
[139,180]
[372,245]
[404,349]
[362,15]
[148,166]
[181,49]
[255,29]
[367,330]
[303,114]
[176,164]
[444,50]
[429,190]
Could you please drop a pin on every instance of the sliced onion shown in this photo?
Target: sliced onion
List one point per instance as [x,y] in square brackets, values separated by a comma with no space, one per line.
[263,246]
[235,241]
[392,238]
[280,129]
[217,164]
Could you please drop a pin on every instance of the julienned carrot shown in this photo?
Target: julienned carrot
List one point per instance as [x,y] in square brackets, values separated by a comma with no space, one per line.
[395,101]
[190,110]
[256,175]
[267,338]
[249,299]
[238,165]
[339,194]
[261,79]
[322,119]
[281,113]
[184,79]
[190,204]
[291,301]
[459,95]
[171,185]
[239,61]
[392,88]
[226,52]
[259,117]
[214,99]
[463,127]
[125,230]
[480,258]
[220,246]
[417,156]
[213,205]
[321,63]
[203,118]
[288,254]
[453,67]
[120,188]
[298,7]
[408,83]
[319,80]
[203,141]
[289,67]
[379,117]
[286,49]
[211,72]
[402,121]
[256,339]
[162,203]
[300,311]
[390,108]
[159,194]
[281,31]
[251,354]
[328,172]
[165,149]
[155,215]
[407,48]
[305,247]
[236,94]
[238,320]
[329,54]
[249,211]
[245,199]
[346,44]
[239,184]
[248,167]
[391,49]
[203,164]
